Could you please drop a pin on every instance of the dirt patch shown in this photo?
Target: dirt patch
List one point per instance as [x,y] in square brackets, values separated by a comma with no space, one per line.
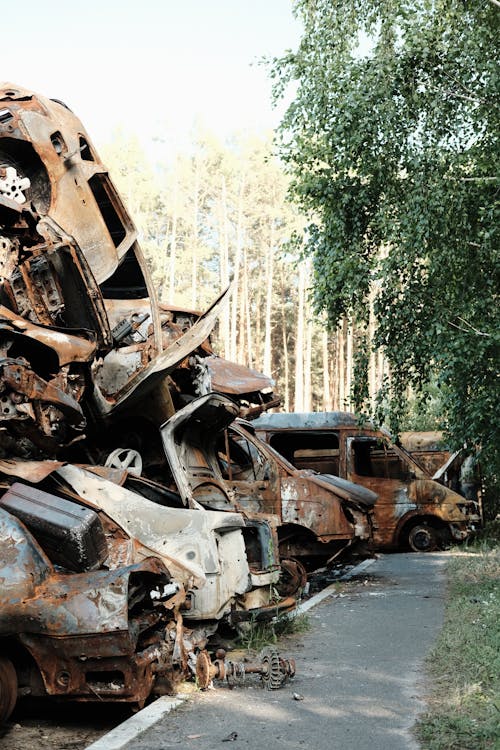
[42,725]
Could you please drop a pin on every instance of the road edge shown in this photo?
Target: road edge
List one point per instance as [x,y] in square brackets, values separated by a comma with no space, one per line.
[117,738]
[129,729]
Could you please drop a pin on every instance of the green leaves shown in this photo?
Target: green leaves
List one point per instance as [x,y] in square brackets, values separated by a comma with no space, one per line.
[392,146]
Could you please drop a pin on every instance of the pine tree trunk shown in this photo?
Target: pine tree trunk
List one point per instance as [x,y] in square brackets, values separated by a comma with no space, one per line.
[237,264]
[284,328]
[308,363]
[341,364]
[327,395]
[224,268]
[247,353]
[349,364]
[194,261]
[299,344]
[172,255]
[269,299]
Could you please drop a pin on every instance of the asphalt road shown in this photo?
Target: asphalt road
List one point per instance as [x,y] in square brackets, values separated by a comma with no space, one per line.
[358,670]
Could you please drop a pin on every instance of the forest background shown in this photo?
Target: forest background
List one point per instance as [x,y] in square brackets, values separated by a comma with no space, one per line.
[218,213]
[376,287]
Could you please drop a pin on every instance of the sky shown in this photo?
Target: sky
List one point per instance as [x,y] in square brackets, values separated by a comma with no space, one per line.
[153,67]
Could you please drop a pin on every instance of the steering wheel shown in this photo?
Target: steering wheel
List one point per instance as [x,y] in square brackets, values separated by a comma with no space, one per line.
[125,458]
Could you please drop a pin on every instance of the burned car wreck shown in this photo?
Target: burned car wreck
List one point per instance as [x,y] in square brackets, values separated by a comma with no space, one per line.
[221,464]
[91,362]
[83,338]
[107,595]
[413,510]
[94,633]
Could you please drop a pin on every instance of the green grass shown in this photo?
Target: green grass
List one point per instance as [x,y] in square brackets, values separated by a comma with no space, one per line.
[255,635]
[464,666]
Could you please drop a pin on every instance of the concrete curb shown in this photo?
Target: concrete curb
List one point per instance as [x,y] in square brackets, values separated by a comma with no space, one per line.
[118,737]
[330,590]
[129,729]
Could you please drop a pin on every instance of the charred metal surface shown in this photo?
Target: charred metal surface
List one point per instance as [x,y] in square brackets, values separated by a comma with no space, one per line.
[102,634]
[412,508]
[236,471]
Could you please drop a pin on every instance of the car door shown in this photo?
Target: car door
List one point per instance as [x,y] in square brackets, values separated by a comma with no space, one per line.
[374,463]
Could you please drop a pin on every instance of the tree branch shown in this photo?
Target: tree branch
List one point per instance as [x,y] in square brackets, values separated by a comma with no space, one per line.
[469,327]
[471,179]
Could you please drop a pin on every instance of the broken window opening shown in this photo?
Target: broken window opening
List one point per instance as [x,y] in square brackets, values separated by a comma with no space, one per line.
[234,461]
[128,281]
[98,184]
[317,451]
[59,143]
[374,458]
[85,150]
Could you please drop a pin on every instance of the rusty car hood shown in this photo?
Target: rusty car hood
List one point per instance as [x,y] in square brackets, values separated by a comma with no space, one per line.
[234,379]
[186,433]
[346,489]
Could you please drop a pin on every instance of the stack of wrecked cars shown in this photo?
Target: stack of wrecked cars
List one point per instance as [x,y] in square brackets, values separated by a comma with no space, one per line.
[111,583]
[138,510]
[84,342]
[110,590]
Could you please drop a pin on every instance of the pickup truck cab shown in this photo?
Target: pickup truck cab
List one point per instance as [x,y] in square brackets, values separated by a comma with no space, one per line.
[412,509]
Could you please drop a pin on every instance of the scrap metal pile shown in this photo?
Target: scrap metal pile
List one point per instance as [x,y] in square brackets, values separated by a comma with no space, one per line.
[123,548]
[139,510]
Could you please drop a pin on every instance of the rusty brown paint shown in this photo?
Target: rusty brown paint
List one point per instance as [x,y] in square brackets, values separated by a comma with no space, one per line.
[224,467]
[78,628]
[407,496]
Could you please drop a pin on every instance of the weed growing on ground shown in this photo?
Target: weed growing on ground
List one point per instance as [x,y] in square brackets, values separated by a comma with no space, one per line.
[464,707]
[255,635]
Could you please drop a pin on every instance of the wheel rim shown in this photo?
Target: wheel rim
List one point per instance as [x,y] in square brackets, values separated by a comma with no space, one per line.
[422,539]
[125,458]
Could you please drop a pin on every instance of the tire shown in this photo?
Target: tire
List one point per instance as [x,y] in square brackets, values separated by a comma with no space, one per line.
[293,577]
[422,538]
[8,688]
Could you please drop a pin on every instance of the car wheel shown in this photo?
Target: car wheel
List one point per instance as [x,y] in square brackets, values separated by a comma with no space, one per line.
[8,688]
[422,538]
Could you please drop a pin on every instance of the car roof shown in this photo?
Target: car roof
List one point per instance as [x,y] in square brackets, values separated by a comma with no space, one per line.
[305,420]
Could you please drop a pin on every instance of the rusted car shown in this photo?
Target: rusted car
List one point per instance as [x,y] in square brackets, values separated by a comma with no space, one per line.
[111,593]
[78,619]
[458,470]
[221,464]
[412,508]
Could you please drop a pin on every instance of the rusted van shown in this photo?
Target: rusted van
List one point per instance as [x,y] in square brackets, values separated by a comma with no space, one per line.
[218,462]
[413,510]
